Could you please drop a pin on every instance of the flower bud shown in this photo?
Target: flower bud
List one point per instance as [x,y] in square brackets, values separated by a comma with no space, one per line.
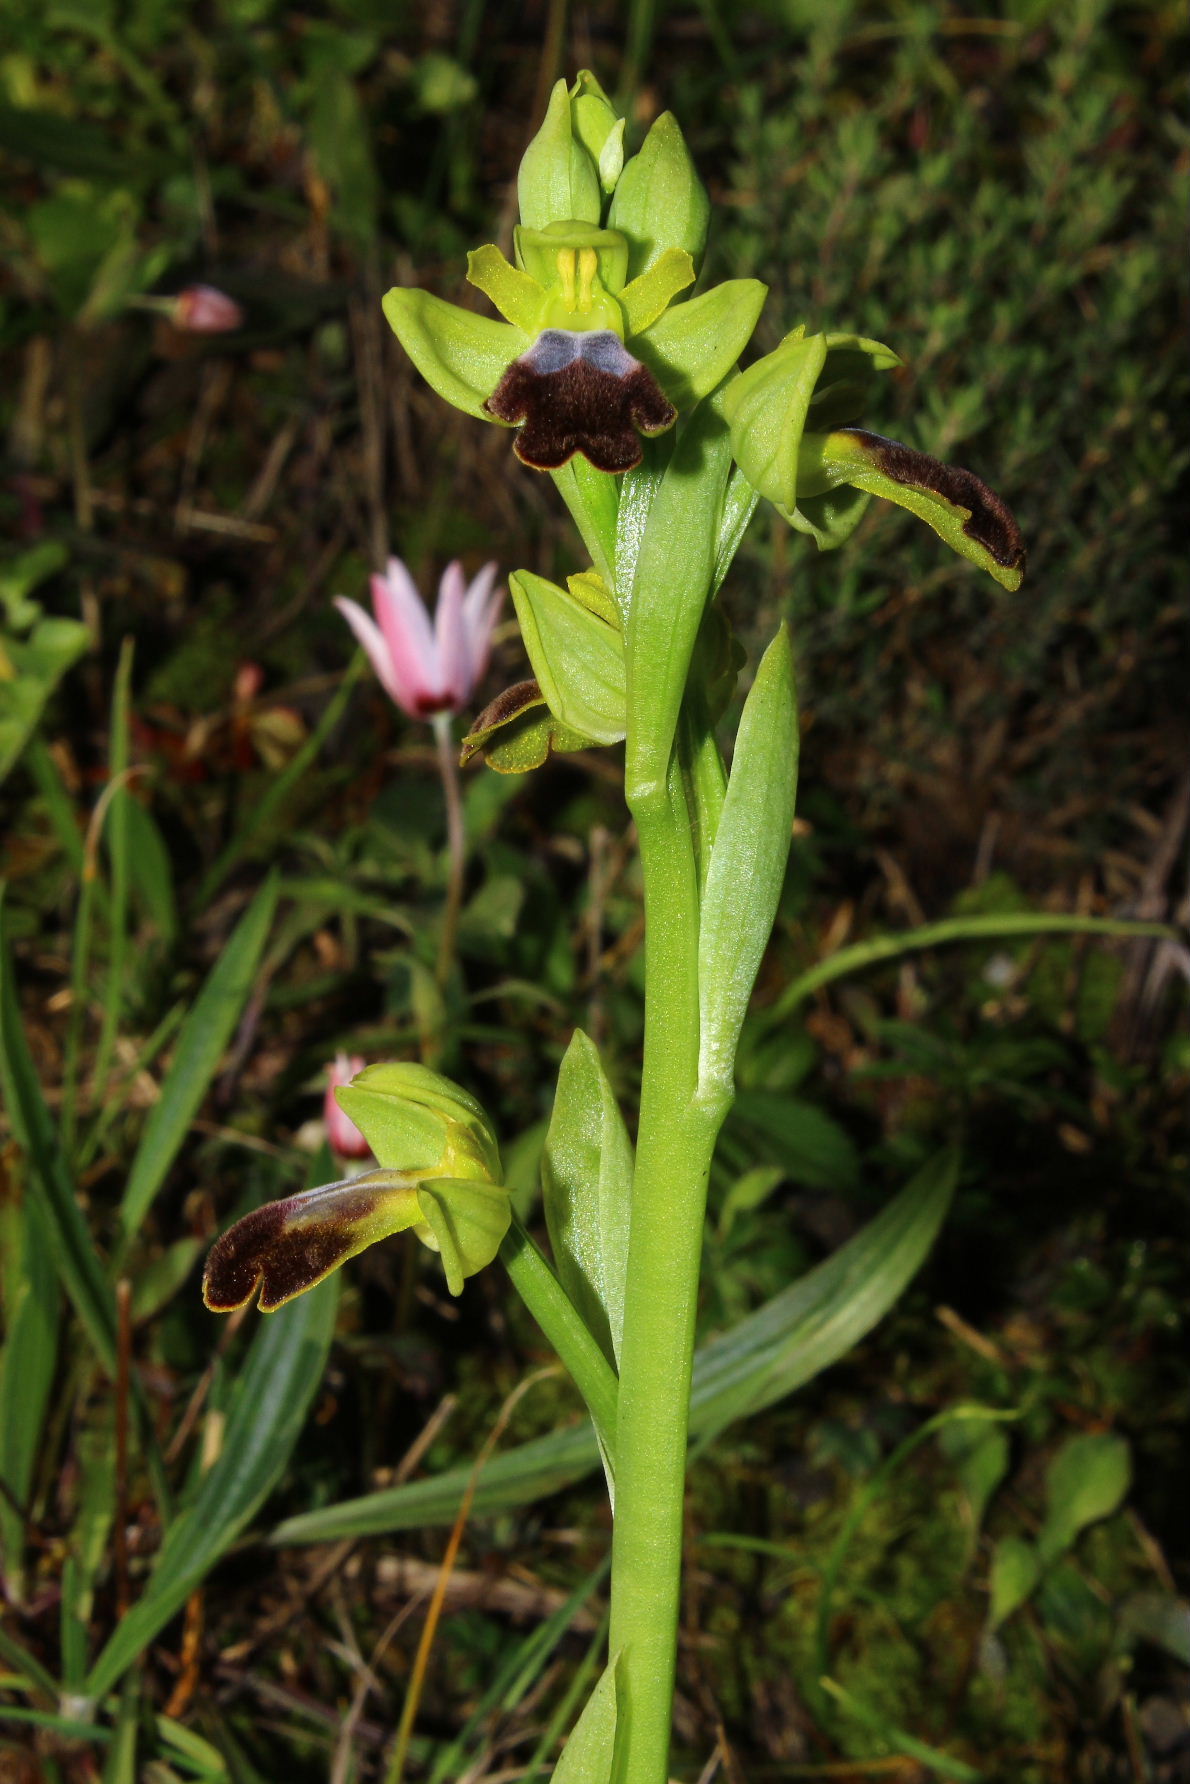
[659,201]
[558,177]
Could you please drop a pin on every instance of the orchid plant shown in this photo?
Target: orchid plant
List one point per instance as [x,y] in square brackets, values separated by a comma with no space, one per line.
[628,392]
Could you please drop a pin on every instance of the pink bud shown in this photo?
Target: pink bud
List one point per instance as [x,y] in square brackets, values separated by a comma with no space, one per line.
[201,309]
[341,1131]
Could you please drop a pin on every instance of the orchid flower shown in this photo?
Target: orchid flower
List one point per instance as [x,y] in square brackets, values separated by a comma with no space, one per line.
[427,668]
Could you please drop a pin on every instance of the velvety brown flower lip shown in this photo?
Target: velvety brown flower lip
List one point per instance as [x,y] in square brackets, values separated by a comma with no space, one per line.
[580,393]
[506,705]
[991,523]
[271,1251]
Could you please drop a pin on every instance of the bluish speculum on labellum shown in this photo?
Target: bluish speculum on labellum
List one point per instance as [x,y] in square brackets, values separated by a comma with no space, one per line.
[580,392]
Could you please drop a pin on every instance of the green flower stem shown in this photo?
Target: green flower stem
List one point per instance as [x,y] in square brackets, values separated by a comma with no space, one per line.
[456,842]
[676,1138]
[551,1307]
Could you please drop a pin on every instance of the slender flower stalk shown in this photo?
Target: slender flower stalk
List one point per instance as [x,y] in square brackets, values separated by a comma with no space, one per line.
[430,669]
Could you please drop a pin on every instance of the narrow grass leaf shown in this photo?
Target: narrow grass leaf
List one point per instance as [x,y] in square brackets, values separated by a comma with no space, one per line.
[783,1344]
[74,1256]
[268,1409]
[201,1044]
[987,926]
[26,1370]
[120,1765]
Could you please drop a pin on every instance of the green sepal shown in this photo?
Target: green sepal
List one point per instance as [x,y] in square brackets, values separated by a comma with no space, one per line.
[558,177]
[464,1222]
[767,406]
[577,652]
[816,381]
[659,201]
[460,355]
[537,251]
[417,1121]
[692,347]
[957,505]
[651,294]
[518,297]
[518,732]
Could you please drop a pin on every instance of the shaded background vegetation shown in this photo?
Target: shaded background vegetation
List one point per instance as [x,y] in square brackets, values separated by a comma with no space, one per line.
[1000,197]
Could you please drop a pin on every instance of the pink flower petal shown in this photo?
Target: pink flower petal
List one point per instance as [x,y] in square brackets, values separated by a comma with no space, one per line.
[374,642]
[454,656]
[406,627]
[481,609]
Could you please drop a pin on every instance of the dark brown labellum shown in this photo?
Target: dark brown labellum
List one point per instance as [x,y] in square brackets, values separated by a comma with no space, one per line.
[991,523]
[580,393]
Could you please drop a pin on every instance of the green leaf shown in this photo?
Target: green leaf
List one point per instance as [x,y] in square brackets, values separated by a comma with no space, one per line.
[1087,1480]
[814,1150]
[460,355]
[590,1748]
[21,574]
[586,1176]
[693,346]
[747,868]
[988,926]
[980,1456]
[69,1241]
[340,138]
[201,1044]
[576,653]
[1159,1618]
[659,201]
[268,1407]
[120,1765]
[30,670]
[558,181]
[785,1343]
[30,1301]
[1015,1571]
[670,586]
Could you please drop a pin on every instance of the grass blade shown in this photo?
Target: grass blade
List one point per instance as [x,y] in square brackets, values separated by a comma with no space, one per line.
[74,1256]
[26,1371]
[999,926]
[204,1036]
[783,1344]
[268,1409]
